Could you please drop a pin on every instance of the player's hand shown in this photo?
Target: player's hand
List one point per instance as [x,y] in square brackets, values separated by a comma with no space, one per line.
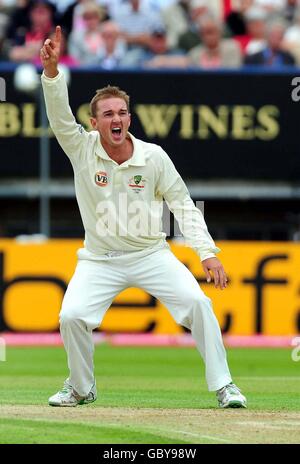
[214,266]
[50,52]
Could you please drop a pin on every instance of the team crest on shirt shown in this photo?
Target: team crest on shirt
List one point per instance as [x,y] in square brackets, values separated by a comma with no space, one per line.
[137,183]
[101,178]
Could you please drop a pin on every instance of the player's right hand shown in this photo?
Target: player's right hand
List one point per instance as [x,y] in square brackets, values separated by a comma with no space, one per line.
[50,52]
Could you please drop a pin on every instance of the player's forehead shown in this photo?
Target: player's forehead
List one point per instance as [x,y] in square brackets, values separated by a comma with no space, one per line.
[114,104]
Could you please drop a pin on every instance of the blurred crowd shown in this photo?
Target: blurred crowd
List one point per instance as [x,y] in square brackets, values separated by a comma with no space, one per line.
[109,34]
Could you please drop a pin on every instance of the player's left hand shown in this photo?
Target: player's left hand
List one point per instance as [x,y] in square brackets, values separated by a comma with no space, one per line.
[219,275]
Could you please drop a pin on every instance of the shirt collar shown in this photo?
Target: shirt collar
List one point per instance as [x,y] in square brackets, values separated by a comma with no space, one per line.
[138,156]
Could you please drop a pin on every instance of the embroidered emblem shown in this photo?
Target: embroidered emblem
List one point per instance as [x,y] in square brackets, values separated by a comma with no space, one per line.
[101,178]
[137,183]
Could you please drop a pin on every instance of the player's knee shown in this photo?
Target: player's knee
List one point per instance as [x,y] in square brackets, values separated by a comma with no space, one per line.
[196,299]
[196,304]
[67,318]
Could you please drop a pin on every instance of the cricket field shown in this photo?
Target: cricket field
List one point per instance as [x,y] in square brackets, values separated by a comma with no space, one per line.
[150,395]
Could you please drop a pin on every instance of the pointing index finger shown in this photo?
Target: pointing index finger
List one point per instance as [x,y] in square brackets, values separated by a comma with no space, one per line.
[58,34]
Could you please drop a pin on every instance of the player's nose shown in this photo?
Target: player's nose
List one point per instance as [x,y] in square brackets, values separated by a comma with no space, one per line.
[116,117]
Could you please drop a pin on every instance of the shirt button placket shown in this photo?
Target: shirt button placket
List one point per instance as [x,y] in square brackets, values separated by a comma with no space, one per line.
[117,178]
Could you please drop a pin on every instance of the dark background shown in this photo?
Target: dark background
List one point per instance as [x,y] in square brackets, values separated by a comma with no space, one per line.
[278,159]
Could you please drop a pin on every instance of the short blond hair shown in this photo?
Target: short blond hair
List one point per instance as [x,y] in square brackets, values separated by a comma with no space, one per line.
[110,91]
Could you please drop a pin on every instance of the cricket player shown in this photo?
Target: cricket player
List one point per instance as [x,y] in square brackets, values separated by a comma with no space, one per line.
[111,165]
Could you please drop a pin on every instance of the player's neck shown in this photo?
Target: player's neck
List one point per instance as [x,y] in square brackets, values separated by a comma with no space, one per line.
[120,153]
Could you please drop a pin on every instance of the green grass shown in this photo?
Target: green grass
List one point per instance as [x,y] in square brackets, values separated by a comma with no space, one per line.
[152,377]
[35,432]
[138,378]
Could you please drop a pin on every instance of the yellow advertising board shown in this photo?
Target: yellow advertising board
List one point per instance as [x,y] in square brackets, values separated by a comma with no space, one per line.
[263,295]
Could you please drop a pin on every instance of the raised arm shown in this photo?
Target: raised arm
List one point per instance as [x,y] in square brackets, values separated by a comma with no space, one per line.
[70,135]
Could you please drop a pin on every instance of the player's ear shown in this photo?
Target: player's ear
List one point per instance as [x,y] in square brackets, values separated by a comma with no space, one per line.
[129,114]
[93,122]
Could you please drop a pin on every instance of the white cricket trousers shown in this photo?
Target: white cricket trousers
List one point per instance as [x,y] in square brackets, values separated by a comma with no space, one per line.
[96,283]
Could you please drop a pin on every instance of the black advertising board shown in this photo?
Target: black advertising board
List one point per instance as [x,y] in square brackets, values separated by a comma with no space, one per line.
[227,125]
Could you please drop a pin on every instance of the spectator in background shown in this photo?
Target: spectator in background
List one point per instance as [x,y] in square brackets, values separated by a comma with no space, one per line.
[190,38]
[28,44]
[19,22]
[273,54]
[157,54]
[291,41]
[86,44]
[214,52]
[176,19]
[256,30]
[6,9]
[137,22]
[113,48]
[290,10]
[72,20]
[179,19]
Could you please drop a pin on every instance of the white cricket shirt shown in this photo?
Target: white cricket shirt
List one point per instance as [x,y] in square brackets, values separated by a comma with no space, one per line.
[121,205]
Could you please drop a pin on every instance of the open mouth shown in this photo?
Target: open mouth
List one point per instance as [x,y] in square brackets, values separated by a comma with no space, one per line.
[116,132]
